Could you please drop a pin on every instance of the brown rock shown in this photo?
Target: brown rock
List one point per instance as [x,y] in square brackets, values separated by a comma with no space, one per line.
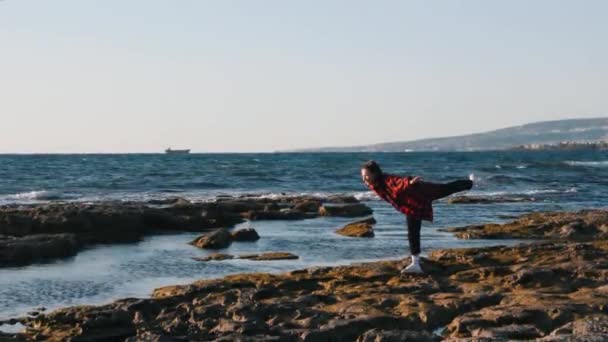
[361,228]
[269,256]
[586,225]
[220,238]
[215,257]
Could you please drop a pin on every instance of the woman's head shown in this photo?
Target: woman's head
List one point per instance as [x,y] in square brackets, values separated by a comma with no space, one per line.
[371,173]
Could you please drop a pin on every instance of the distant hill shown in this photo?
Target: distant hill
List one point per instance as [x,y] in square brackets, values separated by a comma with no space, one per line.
[546,132]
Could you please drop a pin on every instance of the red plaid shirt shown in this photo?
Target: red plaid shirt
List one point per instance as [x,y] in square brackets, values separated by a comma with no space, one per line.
[414,200]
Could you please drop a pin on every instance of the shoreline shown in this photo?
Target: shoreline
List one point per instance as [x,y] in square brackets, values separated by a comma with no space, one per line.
[39,232]
[465,290]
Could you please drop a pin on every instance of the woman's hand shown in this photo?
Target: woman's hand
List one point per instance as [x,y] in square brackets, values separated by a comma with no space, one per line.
[416,179]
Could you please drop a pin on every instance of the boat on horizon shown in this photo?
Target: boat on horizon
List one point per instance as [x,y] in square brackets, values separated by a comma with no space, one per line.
[171,151]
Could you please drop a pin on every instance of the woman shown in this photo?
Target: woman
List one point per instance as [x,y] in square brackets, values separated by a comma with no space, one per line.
[412,197]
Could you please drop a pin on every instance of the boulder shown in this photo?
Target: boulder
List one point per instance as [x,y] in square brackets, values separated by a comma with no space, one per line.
[246,234]
[361,228]
[220,238]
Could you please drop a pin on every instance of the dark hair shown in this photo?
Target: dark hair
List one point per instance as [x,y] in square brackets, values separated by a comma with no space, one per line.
[372,167]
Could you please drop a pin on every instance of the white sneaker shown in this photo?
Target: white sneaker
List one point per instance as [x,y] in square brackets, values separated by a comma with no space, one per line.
[413,268]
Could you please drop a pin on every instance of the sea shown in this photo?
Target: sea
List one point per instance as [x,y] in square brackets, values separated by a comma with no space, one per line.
[555,180]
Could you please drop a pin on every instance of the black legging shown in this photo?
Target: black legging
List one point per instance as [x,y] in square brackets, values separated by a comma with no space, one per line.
[414,224]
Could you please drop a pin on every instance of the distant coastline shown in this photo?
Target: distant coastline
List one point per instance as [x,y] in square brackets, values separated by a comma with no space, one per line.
[543,133]
[567,146]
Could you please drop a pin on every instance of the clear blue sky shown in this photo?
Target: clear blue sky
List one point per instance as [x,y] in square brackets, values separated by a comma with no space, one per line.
[139,76]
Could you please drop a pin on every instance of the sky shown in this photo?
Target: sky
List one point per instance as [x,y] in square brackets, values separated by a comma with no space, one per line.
[258,76]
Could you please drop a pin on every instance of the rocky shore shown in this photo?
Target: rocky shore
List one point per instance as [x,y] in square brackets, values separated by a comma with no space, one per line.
[33,233]
[586,225]
[552,290]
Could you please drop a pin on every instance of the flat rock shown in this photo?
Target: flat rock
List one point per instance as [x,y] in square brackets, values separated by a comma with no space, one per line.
[269,256]
[215,257]
[585,225]
[256,257]
[16,251]
[345,210]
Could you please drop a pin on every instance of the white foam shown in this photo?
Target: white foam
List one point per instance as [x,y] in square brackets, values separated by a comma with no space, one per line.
[522,166]
[515,193]
[365,196]
[40,195]
[602,163]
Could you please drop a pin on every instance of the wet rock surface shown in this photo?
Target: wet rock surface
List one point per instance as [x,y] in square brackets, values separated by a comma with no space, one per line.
[361,228]
[33,233]
[548,290]
[16,251]
[257,257]
[269,256]
[585,225]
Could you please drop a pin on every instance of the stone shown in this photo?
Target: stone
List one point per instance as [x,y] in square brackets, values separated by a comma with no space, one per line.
[361,228]
[219,239]
[247,234]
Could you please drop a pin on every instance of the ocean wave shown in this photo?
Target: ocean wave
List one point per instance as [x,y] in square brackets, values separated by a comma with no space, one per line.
[601,163]
[530,192]
[40,195]
[365,196]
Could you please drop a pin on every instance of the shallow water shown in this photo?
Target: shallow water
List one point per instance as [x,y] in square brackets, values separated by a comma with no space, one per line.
[101,274]
[104,273]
